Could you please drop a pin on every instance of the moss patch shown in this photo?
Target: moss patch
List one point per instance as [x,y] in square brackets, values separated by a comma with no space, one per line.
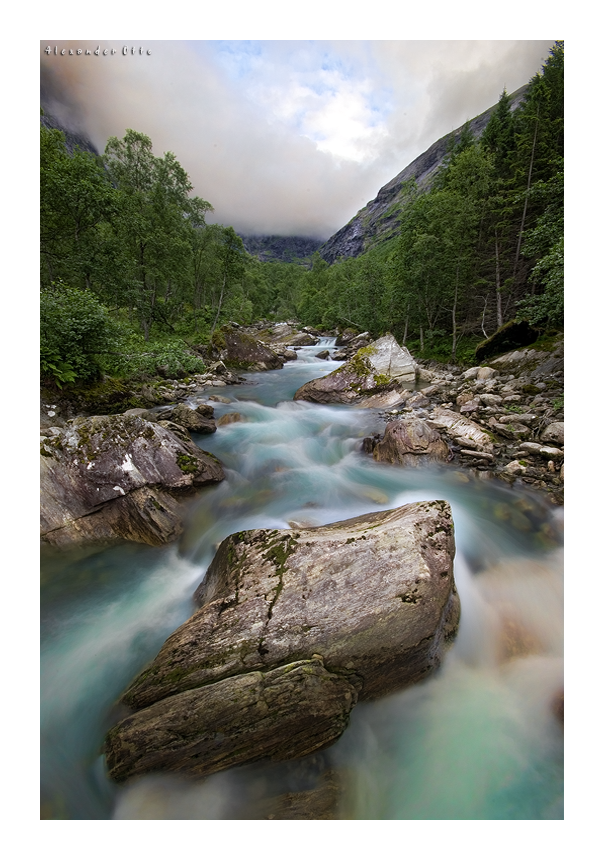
[187,464]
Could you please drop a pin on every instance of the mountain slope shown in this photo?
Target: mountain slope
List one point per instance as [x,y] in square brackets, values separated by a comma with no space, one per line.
[377,221]
[287,249]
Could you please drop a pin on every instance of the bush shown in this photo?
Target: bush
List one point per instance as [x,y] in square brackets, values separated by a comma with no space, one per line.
[75,328]
[140,359]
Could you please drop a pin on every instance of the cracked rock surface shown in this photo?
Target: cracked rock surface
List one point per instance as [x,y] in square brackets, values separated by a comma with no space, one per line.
[118,476]
[359,608]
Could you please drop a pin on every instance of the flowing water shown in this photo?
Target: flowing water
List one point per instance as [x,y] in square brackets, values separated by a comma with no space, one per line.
[480,739]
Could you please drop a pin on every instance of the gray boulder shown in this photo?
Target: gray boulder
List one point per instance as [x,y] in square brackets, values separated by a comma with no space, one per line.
[463,430]
[410,442]
[194,420]
[239,349]
[118,476]
[361,608]
[382,367]
[554,433]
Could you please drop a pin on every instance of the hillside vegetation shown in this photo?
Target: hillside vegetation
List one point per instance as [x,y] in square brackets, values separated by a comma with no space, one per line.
[132,276]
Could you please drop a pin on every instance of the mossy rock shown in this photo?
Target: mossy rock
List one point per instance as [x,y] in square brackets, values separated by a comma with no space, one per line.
[512,335]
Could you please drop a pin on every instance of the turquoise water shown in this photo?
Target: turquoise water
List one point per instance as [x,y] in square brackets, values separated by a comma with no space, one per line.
[478,740]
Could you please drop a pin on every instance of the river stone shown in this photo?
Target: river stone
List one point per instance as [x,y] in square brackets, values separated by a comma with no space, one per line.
[410,442]
[486,373]
[239,349]
[466,432]
[554,433]
[235,720]
[371,598]
[303,338]
[230,418]
[113,476]
[191,419]
[382,367]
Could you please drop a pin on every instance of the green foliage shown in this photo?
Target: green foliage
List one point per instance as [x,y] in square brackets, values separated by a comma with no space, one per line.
[558,403]
[136,358]
[482,246]
[75,329]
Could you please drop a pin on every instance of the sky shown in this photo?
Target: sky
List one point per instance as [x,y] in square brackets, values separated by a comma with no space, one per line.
[285,137]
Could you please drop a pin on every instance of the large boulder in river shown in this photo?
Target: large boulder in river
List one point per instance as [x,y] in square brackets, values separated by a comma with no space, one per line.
[118,476]
[383,367]
[294,625]
[236,348]
[410,442]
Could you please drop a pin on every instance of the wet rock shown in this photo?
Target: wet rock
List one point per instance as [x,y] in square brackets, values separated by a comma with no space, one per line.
[238,349]
[230,418]
[233,721]
[323,354]
[346,337]
[410,442]
[115,476]
[177,429]
[417,401]
[284,353]
[361,607]
[303,338]
[383,367]
[205,410]
[141,413]
[190,419]
[514,468]
[466,432]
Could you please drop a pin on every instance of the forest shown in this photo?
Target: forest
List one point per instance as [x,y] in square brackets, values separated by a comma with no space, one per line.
[132,276]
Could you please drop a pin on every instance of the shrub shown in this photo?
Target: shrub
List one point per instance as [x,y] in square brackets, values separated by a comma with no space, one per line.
[75,328]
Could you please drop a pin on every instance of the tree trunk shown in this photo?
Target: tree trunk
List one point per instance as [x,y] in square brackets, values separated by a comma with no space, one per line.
[454,314]
[406,326]
[497,285]
[219,305]
[528,188]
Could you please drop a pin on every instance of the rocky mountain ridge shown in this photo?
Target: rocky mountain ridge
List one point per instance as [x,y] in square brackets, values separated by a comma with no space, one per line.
[285,249]
[376,222]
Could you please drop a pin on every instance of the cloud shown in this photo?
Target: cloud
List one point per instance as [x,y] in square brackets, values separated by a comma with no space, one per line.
[289,137]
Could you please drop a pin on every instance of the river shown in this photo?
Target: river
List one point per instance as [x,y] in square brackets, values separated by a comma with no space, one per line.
[480,739]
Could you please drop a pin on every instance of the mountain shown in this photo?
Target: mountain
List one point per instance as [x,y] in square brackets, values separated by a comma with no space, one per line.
[59,111]
[377,221]
[72,138]
[286,249]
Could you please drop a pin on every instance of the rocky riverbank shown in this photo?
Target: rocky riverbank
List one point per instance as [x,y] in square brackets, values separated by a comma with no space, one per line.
[504,420]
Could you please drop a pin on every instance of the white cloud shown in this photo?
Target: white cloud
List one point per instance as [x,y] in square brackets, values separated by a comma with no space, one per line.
[294,137]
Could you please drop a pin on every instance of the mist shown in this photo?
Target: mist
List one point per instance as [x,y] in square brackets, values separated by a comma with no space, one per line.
[285,138]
